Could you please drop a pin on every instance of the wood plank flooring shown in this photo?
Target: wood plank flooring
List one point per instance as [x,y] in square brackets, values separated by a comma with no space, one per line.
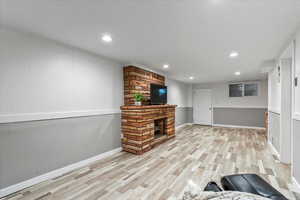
[197,155]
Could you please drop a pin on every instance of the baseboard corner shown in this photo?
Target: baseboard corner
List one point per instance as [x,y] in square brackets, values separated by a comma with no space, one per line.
[296,183]
[274,150]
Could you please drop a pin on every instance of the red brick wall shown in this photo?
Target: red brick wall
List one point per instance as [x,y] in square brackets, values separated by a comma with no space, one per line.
[137,80]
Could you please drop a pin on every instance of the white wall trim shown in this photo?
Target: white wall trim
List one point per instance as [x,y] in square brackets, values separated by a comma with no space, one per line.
[182,125]
[295,182]
[235,126]
[11,118]
[203,123]
[274,150]
[25,117]
[227,126]
[296,116]
[56,173]
[274,111]
[242,107]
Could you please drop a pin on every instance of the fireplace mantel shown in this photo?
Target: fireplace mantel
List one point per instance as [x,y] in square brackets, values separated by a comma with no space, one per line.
[146,107]
[138,126]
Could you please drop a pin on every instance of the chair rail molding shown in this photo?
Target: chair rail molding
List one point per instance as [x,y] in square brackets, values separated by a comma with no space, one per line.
[25,117]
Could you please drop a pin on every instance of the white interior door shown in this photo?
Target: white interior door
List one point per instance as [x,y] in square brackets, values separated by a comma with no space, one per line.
[202,107]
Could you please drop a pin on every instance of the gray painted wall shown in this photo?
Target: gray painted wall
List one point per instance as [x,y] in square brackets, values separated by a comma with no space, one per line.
[30,149]
[239,116]
[296,149]
[183,115]
[274,130]
[220,95]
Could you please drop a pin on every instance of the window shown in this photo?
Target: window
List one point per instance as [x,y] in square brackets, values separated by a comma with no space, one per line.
[243,89]
[236,90]
[250,89]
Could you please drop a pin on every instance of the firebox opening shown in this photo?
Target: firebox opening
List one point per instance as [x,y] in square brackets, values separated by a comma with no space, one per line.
[160,128]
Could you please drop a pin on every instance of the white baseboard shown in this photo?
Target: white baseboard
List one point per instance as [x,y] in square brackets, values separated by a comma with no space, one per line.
[242,107]
[55,173]
[234,126]
[274,150]
[182,125]
[295,182]
[275,111]
[204,124]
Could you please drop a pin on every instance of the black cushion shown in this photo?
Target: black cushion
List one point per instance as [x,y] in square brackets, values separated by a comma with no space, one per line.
[251,183]
[212,187]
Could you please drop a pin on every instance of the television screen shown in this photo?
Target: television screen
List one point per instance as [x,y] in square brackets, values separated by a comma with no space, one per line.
[158,94]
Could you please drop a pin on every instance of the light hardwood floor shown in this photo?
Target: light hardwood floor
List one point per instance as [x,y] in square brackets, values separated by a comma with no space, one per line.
[197,155]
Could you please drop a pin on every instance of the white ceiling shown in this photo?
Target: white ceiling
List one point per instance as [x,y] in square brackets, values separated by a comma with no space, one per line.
[193,36]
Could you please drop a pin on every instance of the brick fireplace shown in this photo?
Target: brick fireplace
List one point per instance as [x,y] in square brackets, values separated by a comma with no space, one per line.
[144,127]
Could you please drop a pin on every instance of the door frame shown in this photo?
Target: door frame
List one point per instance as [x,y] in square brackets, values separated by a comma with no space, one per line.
[293,110]
[211,107]
[286,119]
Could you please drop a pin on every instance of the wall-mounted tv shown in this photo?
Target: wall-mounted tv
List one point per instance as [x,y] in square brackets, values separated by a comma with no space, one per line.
[158,94]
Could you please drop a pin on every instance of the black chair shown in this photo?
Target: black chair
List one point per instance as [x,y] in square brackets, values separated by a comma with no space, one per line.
[251,183]
[212,187]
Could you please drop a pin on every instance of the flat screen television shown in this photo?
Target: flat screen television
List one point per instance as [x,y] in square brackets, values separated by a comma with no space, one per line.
[158,94]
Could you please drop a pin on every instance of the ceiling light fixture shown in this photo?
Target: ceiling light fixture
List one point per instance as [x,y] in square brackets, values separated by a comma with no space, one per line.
[233,54]
[237,73]
[191,77]
[166,66]
[106,38]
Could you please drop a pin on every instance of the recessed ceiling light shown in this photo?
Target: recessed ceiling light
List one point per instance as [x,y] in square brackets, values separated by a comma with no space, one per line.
[233,54]
[237,73]
[166,66]
[191,77]
[106,38]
